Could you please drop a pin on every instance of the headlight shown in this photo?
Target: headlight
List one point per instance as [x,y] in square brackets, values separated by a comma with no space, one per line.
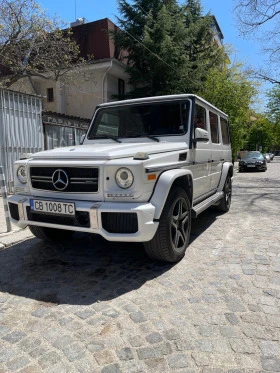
[124,178]
[21,175]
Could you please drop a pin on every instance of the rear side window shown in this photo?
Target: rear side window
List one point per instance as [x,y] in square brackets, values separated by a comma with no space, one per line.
[214,127]
[200,117]
[225,131]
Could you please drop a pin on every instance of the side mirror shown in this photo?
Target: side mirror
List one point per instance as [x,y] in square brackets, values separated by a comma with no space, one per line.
[201,135]
[82,138]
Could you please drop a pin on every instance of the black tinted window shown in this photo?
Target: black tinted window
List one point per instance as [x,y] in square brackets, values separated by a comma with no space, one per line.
[200,117]
[214,127]
[225,131]
[168,118]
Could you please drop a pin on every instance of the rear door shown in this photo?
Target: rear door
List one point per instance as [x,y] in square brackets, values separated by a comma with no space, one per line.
[217,158]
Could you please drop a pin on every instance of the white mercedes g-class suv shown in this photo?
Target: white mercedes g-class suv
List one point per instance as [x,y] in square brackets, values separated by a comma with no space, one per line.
[144,169]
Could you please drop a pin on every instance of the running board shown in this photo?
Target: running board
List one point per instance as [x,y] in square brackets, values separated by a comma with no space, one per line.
[197,209]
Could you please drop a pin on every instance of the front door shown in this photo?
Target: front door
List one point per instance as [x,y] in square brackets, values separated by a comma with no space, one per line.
[200,157]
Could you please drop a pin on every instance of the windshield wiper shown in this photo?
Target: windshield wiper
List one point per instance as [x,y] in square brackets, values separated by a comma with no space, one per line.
[106,137]
[144,135]
[151,137]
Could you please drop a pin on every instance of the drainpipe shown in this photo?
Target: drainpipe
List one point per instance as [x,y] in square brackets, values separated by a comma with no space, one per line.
[103,81]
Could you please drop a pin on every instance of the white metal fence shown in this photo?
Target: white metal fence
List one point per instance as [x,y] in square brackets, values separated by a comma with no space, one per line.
[21,129]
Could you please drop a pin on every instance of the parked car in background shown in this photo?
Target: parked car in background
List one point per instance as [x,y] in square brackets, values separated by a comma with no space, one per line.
[252,161]
[267,157]
[271,156]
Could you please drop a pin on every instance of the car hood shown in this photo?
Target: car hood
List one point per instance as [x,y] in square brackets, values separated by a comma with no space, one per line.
[109,151]
[251,160]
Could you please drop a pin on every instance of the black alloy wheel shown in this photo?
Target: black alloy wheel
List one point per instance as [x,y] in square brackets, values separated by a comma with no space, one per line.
[225,202]
[172,237]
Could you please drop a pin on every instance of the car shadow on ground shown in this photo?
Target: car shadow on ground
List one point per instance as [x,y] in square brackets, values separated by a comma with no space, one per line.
[83,271]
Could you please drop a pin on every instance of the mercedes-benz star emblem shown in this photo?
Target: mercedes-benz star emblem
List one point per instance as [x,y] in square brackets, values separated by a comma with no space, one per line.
[60,179]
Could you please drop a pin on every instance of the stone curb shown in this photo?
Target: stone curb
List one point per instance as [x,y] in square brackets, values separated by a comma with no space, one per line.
[14,237]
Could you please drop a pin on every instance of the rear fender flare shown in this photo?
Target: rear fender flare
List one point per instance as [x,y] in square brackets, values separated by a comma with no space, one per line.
[227,169]
[163,187]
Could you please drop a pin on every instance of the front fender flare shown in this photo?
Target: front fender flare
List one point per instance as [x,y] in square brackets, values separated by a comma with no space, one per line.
[163,187]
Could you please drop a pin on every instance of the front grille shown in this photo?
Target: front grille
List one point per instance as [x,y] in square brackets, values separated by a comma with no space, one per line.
[117,222]
[81,218]
[81,180]
[13,207]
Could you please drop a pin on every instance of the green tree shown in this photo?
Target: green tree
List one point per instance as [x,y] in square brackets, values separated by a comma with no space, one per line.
[231,91]
[32,44]
[169,46]
[273,113]
[273,106]
[201,53]
[260,134]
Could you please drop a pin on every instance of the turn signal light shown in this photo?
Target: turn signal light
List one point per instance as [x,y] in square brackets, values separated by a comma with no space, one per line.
[152,177]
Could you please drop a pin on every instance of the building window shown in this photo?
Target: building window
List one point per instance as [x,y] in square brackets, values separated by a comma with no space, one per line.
[121,89]
[50,96]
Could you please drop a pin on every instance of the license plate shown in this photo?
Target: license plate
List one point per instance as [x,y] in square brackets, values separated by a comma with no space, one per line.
[52,207]
[251,165]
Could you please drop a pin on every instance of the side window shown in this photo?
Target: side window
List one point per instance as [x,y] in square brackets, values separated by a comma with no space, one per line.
[225,131]
[214,127]
[200,117]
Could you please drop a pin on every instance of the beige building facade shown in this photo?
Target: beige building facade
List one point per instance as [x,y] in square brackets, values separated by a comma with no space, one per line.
[74,97]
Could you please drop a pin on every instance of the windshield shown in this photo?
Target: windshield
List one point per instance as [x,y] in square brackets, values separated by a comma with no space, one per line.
[137,120]
[255,155]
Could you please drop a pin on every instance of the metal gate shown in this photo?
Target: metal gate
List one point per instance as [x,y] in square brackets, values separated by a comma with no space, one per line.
[21,129]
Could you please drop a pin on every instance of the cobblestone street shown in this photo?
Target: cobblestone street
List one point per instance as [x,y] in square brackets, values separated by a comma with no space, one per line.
[94,306]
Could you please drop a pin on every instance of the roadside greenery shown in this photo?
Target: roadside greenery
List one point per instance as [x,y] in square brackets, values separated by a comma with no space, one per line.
[169,46]
[273,106]
[264,129]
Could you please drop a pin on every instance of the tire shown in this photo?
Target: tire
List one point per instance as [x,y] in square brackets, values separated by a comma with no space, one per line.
[172,237]
[50,234]
[225,202]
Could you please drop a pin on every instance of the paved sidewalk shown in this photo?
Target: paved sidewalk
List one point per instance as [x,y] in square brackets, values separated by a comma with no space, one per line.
[15,236]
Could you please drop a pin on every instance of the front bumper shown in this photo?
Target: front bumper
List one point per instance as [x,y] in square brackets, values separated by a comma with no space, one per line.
[256,167]
[115,221]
